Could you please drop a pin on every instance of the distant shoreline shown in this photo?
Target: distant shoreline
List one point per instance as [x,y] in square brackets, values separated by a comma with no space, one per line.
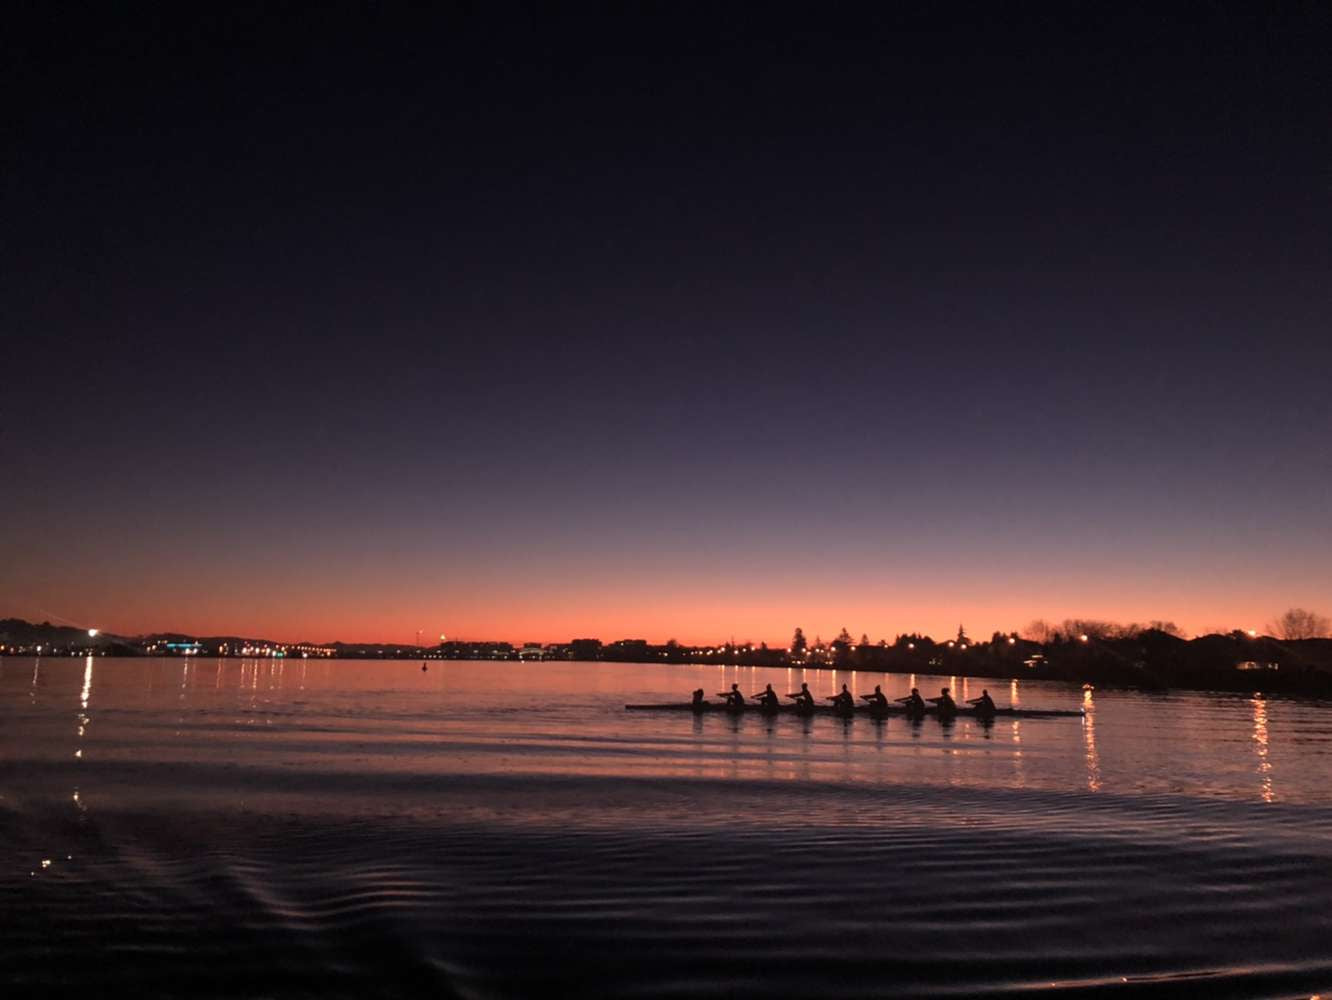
[1316,684]
[1152,660]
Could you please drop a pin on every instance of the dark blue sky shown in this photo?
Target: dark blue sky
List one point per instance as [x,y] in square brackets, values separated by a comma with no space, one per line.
[667,321]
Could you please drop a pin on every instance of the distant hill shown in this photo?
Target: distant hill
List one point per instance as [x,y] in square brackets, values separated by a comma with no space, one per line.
[17,632]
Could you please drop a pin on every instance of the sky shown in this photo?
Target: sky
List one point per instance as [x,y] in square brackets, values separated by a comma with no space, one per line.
[679,321]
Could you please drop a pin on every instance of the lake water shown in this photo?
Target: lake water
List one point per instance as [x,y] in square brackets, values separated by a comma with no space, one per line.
[342,828]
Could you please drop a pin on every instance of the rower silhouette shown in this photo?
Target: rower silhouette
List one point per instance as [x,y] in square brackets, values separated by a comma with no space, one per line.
[734,699]
[877,700]
[983,706]
[944,703]
[843,701]
[914,704]
[803,699]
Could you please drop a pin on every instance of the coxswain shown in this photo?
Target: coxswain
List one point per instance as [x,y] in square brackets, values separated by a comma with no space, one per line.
[734,699]
[984,705]
[877,700]
[767,698]
[698,701]
[803,699]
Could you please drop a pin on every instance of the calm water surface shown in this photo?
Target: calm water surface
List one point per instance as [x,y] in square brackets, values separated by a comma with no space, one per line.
[340,828]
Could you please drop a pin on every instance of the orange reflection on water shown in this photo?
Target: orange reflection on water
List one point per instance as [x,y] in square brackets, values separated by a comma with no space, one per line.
[1089,742]
[87,683]
[84,696]
[1260,740]
[83,718]
[1019,772]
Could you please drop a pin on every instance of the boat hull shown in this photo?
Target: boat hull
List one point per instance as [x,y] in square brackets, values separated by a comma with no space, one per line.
[861,710]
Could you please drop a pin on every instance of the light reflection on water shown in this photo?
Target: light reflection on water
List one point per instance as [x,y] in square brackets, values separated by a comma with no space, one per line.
[1089,738]
[1019,772]
[1260,739]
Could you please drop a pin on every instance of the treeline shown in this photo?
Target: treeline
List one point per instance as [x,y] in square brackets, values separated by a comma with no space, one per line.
[1155,656]
[1296,623]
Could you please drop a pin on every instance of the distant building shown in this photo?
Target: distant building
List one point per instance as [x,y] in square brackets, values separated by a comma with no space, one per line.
[176,648]
[458,650]
[626,651]
[585,649]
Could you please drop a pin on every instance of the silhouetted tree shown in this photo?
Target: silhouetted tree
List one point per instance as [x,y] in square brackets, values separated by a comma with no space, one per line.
[1300,623]
[1075,628]
[907,641]
[798,643]
[1039,631]
[841,648]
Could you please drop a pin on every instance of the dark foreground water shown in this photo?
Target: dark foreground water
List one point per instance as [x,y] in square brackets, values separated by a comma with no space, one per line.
[314,828]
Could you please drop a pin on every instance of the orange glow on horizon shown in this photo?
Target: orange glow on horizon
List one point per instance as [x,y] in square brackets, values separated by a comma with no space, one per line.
[687,621]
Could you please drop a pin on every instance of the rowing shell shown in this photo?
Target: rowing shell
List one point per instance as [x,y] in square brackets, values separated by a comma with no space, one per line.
[872,711]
